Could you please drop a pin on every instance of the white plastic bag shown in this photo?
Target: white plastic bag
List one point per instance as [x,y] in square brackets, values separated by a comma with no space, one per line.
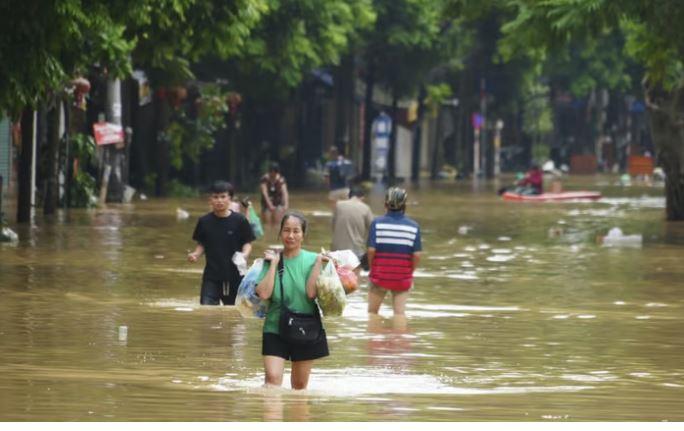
[240,262]
[330,293]
[345,258]
[247,301]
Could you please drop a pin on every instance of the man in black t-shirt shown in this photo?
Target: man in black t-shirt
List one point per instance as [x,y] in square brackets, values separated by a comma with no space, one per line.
[221,234]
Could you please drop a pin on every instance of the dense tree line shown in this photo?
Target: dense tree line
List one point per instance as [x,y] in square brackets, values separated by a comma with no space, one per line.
[556,72]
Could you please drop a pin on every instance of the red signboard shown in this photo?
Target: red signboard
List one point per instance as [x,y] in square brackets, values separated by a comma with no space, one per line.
[108,133]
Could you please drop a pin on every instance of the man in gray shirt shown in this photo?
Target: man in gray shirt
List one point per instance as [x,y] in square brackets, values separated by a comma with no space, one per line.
[351,221]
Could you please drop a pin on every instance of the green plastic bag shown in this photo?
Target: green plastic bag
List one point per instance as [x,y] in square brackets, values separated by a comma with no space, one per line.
[255,222]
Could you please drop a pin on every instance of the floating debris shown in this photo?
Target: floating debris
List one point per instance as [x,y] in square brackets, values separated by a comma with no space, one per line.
[616,238]
[463,230]
[181,214]
[8,235]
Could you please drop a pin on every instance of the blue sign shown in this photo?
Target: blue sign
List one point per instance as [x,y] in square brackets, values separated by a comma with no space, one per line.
[477,120]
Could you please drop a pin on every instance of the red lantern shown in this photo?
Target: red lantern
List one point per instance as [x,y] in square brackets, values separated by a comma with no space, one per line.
[177,95]
[234,101]
[81,88]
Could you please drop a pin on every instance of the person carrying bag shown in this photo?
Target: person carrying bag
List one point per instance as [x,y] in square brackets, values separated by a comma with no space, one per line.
[293,328]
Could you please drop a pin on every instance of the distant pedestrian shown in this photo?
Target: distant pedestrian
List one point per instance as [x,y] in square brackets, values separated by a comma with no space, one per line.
[351,222]
[394,246]
[221,234]
[274,196]
[338,172]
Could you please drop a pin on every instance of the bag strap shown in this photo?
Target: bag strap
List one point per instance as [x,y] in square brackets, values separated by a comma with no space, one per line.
[281,270]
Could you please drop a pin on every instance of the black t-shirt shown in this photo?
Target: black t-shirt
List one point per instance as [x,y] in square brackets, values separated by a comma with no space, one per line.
[221,237]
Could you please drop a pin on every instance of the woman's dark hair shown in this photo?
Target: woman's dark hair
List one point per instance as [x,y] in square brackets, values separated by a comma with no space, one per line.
[299,216]
[222,187]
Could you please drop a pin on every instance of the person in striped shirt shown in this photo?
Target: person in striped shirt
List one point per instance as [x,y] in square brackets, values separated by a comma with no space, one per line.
[394,247]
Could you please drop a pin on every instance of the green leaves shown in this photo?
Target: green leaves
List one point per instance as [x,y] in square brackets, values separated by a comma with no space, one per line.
[296,36]
[654,35]
[410,38]
[188,135]
[436,94]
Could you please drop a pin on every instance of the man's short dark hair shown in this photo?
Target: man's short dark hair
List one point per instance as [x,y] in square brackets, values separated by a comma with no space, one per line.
[222,187]
[274,167]
[356,191]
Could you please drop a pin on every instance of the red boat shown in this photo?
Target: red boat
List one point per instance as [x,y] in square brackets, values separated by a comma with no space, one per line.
[553,197]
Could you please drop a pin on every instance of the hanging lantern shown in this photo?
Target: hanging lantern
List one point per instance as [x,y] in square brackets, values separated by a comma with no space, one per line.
[234,101]
[177,95]
[81,88]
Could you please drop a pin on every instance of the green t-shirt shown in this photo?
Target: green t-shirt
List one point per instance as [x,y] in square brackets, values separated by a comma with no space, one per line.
[297,271]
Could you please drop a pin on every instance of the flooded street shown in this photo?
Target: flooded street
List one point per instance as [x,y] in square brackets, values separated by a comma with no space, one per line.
[517,314]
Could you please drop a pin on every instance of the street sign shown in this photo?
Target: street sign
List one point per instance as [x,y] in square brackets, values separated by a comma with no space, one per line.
[108,133]
[477,120]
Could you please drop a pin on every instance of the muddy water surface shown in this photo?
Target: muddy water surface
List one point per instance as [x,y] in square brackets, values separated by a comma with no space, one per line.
[517,314]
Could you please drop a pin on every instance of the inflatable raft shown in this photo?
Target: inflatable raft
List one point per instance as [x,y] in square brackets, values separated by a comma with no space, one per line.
[552,197]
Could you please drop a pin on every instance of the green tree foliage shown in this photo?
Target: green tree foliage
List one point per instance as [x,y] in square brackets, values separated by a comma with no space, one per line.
[436,95]
[409,38]
[83,188]
[190,135]
[44,42]
[173,34]
[47,41]
[294,37]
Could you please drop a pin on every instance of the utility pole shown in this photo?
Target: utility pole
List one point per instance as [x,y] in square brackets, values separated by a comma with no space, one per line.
[477,121]
[26,192]
[476,155]
[483,134]
[112,156]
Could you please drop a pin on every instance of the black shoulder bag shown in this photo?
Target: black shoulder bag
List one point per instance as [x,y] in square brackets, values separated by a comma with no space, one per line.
[297,328]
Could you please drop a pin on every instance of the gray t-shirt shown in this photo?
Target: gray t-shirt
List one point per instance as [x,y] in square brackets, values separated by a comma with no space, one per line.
[351,221]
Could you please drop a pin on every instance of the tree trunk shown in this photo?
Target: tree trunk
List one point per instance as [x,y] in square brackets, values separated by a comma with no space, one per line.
[667,129]
[24,176]
[392,153]
[417,136]
[344,99]
[66,105]
[368,123]
[163,116]
[300,150]
[437,144]
[52,156]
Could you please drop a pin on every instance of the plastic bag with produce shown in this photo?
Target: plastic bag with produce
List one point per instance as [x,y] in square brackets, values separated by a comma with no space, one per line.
[247,301]
[331,296]
[350,282]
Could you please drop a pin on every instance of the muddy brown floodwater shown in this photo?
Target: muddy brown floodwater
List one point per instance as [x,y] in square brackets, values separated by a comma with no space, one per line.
[517,314]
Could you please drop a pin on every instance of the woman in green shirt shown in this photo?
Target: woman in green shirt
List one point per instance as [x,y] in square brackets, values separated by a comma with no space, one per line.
[301,269]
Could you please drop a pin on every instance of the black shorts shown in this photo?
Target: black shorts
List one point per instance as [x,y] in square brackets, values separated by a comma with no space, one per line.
[215,292]
[274,345]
